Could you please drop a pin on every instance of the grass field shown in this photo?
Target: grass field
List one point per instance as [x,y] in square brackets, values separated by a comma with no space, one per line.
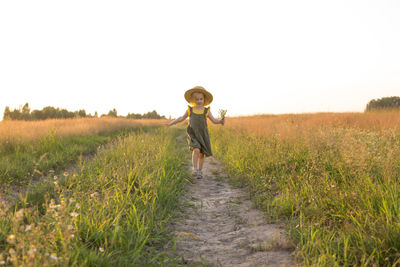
[113,210]
[333,177]
[30,148]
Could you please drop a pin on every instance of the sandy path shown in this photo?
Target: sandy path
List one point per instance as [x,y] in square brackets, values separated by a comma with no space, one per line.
[220,227]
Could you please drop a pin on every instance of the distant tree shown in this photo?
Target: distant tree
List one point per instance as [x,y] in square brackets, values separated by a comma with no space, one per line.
[25,112]
[149,115]
[384,103]
[7,113]
[134,116]
[113,113]
[81,113]
[15,114]
[37,115]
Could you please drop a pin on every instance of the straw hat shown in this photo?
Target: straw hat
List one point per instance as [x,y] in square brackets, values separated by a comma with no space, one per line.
[208,98]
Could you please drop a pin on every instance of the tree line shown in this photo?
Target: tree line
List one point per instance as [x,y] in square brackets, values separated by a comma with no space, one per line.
[24,113]
[384,103]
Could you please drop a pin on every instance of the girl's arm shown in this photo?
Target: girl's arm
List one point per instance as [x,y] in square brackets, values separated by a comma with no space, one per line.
[178,120]
[214,120]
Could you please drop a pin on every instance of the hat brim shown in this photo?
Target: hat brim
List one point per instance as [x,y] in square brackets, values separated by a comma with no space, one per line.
[208,98]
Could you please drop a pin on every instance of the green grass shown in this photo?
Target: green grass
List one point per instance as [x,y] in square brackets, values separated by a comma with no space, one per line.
[338,191]
[20,162]
[113,211]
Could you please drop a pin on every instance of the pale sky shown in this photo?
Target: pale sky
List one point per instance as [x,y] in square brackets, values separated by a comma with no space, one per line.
[282,56]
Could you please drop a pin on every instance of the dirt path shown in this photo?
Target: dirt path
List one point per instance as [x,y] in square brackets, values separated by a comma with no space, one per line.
[220,227]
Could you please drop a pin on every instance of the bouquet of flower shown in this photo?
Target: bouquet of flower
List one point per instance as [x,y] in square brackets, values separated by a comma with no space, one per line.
[222,113]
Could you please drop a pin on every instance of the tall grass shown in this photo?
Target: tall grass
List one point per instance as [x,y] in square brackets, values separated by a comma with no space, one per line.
[28,149]
[334,177]
[14,132]
[113,211]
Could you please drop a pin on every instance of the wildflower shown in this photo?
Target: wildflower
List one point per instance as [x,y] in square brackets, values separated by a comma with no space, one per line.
[11,239]
[31,252]
[55,177]
[94,194]
[222,113]
[70,227]
[101,249]
[74,214]
[28,228]
[19,214]
[13,255]
[78,206]
[53,256]
[65,174]
[52,204]
[71,200]
[12,252]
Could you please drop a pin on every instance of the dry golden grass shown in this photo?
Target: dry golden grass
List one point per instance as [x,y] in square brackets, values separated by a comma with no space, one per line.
[292,125]
[336,175]
[26,131]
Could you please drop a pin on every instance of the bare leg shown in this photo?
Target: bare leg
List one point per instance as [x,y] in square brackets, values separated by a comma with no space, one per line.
[195,157]
[201,161]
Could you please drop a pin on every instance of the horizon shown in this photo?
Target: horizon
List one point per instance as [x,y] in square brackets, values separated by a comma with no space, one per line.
[99,115]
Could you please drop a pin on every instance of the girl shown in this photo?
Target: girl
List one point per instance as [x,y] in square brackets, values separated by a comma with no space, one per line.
[197,131]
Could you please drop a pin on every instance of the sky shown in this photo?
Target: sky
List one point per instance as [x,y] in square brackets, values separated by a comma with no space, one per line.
[254,56]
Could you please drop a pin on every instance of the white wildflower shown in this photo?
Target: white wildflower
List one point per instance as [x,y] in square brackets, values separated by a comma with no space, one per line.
[19,214]
[31,252]
[12,252]
[11,239]
[74,214]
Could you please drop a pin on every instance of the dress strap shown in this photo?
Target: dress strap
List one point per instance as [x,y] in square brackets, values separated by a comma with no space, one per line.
[189,110]
[207,111]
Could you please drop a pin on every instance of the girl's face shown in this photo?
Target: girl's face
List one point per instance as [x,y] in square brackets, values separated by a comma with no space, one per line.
[198,99]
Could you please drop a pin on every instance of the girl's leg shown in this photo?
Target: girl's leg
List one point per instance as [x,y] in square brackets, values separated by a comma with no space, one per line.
[201,161]
[195,158]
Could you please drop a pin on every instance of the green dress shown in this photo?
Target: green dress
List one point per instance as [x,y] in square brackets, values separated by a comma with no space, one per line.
[197,131]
